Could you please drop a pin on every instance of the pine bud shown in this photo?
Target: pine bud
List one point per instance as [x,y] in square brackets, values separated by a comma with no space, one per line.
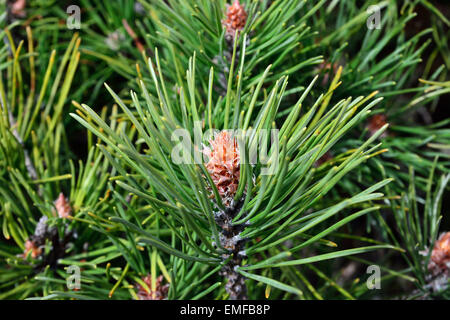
[324,158]
[18,8]
[375,123]
[236,20]
[440,256]
[30,246]
[224,165]
[326,68]
[62,206]
[160,292]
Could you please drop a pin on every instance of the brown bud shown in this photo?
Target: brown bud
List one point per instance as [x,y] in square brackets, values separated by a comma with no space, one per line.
[236,20]
[440,256]
[18,8]
[62,206]
[160,292]
[30,246]
[375,123]
[326,68]
[224,165]
[324,158]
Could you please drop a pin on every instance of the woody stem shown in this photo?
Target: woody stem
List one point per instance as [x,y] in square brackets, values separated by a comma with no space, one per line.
[231,240]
